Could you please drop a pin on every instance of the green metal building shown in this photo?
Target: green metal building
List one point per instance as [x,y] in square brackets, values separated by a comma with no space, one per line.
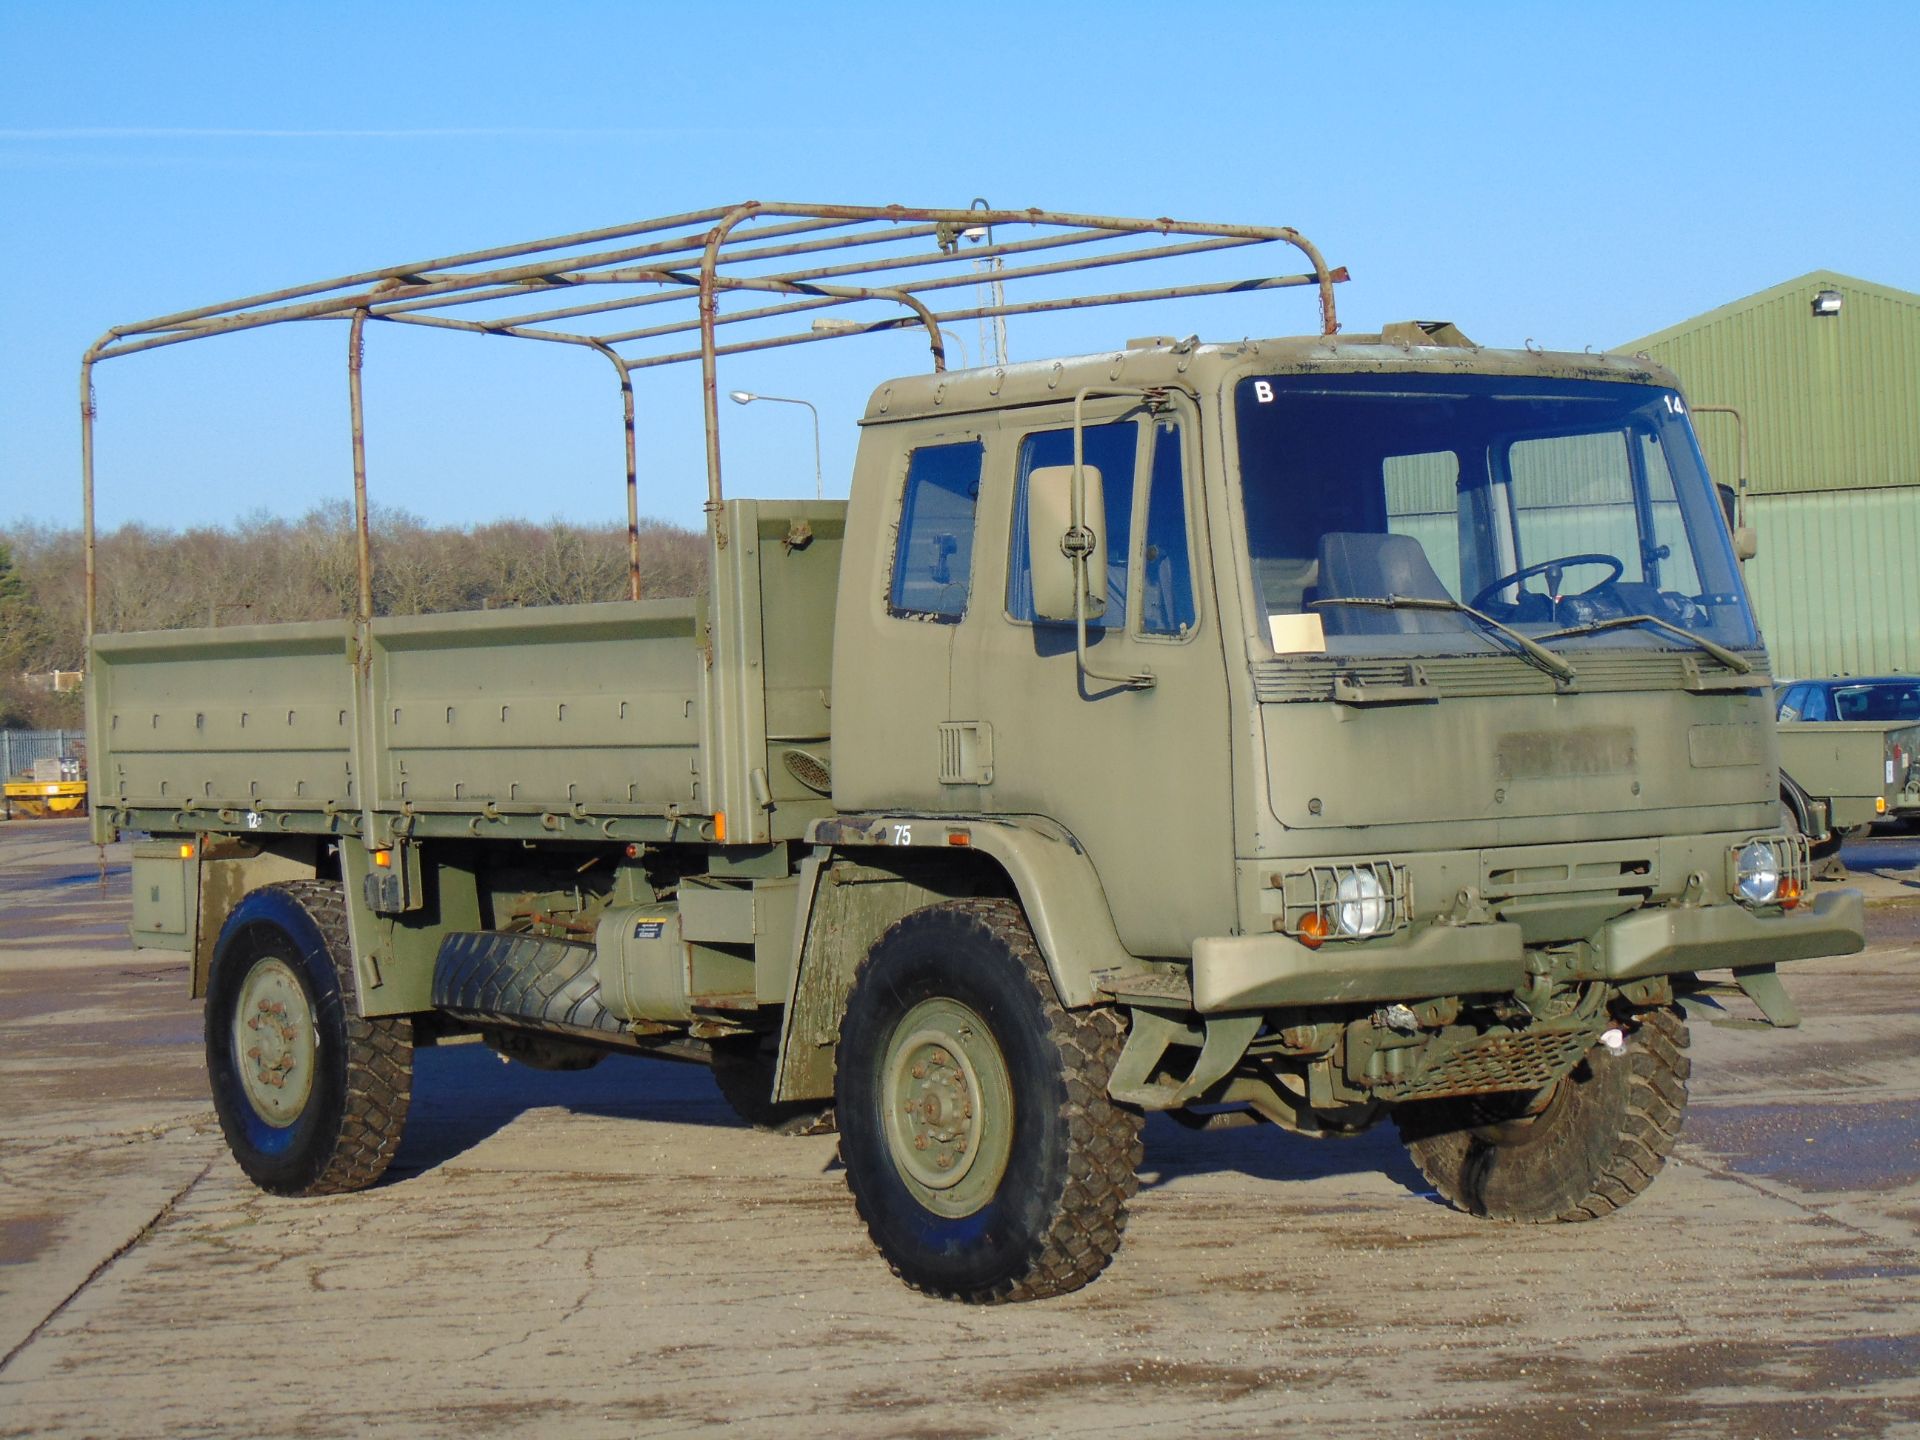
[1826,371]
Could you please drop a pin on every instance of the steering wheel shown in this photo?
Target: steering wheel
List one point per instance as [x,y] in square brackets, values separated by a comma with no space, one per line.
[1551,569]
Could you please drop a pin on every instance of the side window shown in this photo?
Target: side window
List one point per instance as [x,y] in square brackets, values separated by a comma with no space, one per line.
[933,559]
[1813,705]
[1111,449]
[1790,703]
[1166,581]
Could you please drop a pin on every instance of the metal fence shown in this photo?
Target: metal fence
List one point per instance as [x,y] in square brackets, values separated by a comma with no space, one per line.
[20,748]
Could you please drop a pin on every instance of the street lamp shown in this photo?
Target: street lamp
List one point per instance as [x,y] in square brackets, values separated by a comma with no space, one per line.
[747,397]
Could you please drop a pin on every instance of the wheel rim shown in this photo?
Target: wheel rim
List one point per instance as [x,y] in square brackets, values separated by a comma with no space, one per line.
[948,1102]
[274,1042]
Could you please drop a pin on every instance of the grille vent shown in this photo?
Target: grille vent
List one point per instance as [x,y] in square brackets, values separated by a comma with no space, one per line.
[966,752]
[809,769]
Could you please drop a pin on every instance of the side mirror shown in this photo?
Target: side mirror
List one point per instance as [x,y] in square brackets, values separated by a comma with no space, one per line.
[1746,542]
[1050,538]
[1729,505]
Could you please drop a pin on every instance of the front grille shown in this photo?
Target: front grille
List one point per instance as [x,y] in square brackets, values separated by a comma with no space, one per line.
[1495,1061]
[1299,678]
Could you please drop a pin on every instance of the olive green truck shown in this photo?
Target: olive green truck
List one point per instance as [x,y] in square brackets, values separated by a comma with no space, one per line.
[1322,730]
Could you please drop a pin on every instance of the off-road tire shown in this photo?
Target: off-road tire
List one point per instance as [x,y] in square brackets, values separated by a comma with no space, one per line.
[1601,1138]
[743,1069]
[496,977]
[1054,1216]
[345,1133]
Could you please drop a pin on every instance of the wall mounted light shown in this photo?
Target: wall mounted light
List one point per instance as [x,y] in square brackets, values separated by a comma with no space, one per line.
[1827,302]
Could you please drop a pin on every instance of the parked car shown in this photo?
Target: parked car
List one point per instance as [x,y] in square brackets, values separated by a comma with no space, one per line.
[1853,741]
[1872,697]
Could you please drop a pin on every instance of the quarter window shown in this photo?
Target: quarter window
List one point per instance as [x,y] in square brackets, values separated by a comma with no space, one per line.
[933,559]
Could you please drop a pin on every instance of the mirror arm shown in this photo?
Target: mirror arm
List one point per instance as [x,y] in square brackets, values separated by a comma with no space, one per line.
[1140,680]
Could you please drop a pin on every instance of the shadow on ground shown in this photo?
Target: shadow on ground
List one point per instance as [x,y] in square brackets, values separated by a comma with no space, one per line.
[463,1095]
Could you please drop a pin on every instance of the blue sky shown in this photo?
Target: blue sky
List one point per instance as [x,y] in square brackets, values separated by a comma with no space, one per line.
[1574,175]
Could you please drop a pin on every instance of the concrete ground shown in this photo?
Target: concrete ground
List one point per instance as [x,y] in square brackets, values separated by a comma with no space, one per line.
[611,1253]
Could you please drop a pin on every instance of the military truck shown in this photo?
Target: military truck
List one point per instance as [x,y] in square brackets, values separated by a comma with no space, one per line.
[1856,760]
[1326,730]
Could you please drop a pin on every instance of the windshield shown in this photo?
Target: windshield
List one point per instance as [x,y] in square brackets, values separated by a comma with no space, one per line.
[1865,700]
[1547,504]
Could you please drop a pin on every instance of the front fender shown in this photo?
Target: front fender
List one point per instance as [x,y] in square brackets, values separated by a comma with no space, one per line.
[1053,877]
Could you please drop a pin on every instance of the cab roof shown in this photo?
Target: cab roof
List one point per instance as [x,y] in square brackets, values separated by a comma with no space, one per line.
[1415,347]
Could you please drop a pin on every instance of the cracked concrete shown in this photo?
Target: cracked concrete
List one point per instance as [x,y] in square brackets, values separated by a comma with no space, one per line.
[610,1253]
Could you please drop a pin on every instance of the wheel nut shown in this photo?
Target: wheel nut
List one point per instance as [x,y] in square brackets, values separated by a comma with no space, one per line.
[944,1161]
[919,1142]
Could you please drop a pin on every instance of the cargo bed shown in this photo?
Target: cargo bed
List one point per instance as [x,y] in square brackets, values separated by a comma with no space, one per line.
[638,719]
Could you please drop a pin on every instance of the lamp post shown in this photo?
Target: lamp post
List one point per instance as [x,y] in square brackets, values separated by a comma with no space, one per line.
[747,397]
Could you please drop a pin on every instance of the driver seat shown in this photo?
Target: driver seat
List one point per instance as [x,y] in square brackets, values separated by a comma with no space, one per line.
[1361,563]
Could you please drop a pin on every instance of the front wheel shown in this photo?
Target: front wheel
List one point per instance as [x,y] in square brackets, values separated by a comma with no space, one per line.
[311,1096]
[1577,1152]
[980,1144]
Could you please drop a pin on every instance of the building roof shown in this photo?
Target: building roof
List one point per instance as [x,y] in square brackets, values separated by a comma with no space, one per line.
[1810,283]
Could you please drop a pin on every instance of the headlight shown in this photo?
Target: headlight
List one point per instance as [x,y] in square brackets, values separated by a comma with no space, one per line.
[1344,900]
[1756,874]
[1359,904]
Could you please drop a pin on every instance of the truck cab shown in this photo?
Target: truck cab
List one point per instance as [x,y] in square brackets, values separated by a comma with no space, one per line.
[1447,646]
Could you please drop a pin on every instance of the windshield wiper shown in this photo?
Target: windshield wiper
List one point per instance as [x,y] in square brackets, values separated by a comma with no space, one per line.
[1732,659]
[1534,654]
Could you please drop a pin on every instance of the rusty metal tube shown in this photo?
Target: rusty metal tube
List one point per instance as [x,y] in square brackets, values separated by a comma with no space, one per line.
[713,243]
[945,282]
[363,543]
[1031,307]
[395,286]
[602,277]
[818,272]
[86,492]
[709,370]
[633,471]
[472,257]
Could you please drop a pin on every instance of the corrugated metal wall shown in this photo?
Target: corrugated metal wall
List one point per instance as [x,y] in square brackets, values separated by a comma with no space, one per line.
[1837,581]
[1832,403]
[1832,407]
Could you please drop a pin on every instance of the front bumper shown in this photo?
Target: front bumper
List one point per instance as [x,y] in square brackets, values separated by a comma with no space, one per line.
[1265,972]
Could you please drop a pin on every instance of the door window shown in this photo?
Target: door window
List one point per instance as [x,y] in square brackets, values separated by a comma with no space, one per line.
[933,557]
[1166,575]
[1166,570]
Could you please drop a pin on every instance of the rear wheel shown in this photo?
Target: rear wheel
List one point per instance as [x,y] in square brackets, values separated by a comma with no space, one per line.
[1582,1150]
[312,1097]
[981,1147]
[743,1067]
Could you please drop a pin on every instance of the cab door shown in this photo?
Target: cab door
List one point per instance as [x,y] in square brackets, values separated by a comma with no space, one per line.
[907,586]
[1140,776]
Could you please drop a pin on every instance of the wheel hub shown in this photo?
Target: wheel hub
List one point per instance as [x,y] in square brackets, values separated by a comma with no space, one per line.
[949,1107]
[274,1043]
